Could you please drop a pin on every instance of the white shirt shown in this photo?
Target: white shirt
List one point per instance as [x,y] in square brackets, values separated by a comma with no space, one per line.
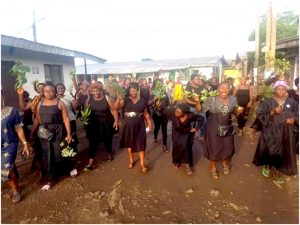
[67,101]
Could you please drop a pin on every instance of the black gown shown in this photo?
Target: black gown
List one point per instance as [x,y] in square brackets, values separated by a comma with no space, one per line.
[100,127]
[182,151]
[133,130]
[277,144]
[218,148]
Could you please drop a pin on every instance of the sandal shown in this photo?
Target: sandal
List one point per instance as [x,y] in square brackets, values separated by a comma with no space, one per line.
[155,141]
[130,165]
[165,149]
[8,194]
[144,169]
[226,169]
[189,171]
[214,173]
[279,179]
[177,165]
[89,168]
[265,172]
[16,197]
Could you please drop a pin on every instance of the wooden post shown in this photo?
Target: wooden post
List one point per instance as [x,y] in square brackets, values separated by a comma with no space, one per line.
[270,37]
[85,70]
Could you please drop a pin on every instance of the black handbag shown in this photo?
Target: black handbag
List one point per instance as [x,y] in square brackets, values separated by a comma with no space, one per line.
[45,133]
[225,130]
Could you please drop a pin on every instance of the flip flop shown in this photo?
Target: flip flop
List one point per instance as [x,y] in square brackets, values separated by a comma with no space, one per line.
[130,165]
[46,187]
[265,172]
[214,174]
[16,197]
[144,169]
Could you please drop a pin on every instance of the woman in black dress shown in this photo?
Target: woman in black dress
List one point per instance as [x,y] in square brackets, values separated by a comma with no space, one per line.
[219,139]
[243,96]
[184,125]
[277,145]
[103,122]
[133,131]
[53,124]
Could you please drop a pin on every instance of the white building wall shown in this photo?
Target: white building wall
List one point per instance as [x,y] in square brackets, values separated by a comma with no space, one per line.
[67,64]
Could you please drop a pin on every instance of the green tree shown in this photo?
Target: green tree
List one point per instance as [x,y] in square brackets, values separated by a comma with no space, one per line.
[287,25]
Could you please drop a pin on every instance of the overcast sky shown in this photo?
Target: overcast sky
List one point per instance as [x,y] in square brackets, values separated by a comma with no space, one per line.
[129,30]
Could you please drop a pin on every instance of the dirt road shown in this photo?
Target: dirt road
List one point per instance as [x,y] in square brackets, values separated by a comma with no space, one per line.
[114,194]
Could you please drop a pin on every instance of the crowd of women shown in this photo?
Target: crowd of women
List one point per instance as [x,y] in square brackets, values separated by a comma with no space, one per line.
[49,122]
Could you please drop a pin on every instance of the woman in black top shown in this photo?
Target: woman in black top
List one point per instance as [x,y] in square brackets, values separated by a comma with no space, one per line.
[184,125]
[243,96]
[103,122]
[160,118]
[52,116]
[145,92]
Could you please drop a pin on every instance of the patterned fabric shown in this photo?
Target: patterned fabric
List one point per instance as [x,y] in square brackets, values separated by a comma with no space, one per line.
[214,105]
[10,120]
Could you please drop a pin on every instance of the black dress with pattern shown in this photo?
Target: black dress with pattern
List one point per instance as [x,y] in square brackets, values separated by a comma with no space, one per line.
[216,147]
[133,130]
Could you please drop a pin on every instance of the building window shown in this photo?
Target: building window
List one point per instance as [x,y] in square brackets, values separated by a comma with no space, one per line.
[53,73]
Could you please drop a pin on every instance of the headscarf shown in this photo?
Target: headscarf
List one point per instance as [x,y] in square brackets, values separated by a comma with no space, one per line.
[280,83]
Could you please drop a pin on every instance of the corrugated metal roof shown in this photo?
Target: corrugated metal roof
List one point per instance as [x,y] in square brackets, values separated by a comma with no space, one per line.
[150,66]
[39,47]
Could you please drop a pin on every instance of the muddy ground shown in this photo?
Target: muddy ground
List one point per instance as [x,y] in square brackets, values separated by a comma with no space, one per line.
[114,194]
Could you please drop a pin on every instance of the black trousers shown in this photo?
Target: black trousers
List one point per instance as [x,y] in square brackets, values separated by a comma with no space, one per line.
[242,118]
[94,144]
[160,121]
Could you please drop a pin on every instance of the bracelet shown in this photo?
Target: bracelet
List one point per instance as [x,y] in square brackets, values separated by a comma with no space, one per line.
[25,142]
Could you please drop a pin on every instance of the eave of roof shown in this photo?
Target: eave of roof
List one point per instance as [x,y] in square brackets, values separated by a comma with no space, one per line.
[39,47]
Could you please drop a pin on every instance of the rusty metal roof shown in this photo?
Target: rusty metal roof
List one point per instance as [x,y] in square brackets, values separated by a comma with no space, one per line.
[39,47]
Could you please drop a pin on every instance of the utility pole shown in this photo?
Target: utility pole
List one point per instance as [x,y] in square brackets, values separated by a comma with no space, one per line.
[34,28]
[270,37]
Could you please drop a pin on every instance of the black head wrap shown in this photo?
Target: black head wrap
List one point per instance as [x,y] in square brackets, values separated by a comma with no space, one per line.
[184,108]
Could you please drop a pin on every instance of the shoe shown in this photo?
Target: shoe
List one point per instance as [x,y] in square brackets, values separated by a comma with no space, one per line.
[155,141]
[265,172]
[89,168]
[226,169]
[16,197]
[177,165]
[165,149]
[73,173]
[214,173]
[47,187]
